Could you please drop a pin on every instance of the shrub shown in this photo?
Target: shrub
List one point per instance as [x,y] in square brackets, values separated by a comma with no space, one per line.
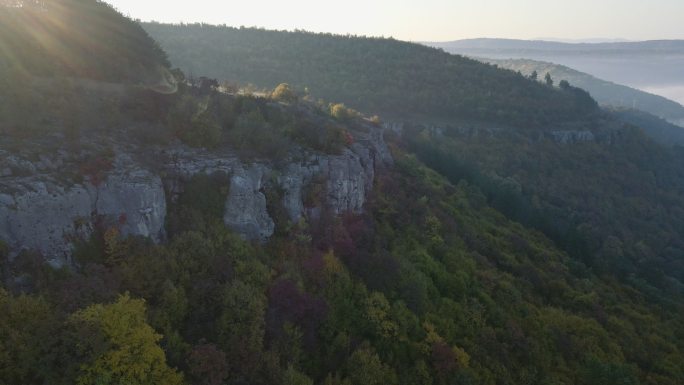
[284,93]
[341,112]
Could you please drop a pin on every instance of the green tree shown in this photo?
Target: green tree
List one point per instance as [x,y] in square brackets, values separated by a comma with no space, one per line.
[241,327]
[596,372]
[366,368]
[564,85]
[133,355]
[548,80]
[293,377]
[204,132]
[28,334]
[534,76]
[378,313]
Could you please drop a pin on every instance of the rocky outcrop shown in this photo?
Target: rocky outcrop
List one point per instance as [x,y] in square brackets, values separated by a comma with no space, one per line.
[347,179]
[40,212]
[246,211]
[35,218]
[245,208]
[137,200]
[573,136]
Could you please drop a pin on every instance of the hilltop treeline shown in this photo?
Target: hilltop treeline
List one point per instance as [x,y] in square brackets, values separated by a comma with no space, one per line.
[374,75]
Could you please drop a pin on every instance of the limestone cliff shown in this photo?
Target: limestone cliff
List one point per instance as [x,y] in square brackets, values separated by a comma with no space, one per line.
[43,212]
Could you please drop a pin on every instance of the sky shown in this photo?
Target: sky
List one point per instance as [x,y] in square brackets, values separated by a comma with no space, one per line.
[432,20]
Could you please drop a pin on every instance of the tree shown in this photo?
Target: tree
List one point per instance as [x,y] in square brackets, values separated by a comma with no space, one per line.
[564,85]
[548,80]
[208,365]
[366,368]
[596,372]
[284,93]
[241,327]
[378,314]
[132,354]
[293,377]
[205,132]
[28,330]
[207,85]
[534,75]
[4,261]
[341,112]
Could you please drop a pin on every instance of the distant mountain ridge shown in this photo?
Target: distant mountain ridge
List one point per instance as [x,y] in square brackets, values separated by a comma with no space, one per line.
[654,65]
[605,92]
[587,40]
[651,46]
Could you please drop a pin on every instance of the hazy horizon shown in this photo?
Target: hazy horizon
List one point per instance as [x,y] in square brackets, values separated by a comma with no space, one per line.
[434,20]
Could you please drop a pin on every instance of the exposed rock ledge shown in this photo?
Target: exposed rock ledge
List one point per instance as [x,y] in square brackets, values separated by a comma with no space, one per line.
[38,212]
[42,215]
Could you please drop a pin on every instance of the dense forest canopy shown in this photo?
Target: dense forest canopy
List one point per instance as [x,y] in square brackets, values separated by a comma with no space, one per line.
[373,75]
[622,215]
[430,286]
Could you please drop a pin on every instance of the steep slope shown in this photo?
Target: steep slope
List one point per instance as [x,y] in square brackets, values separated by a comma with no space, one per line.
[431,285]
[611,201]
[597,147]
[660,130]
[126,166]
[605,92]
[386,76]
[77,38]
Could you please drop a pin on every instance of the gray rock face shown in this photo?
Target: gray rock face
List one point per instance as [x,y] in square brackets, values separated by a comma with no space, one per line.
[45,218]
[347,181]
[245,210]
[397,127]
[348,177]
[292,181]
[39,212]
[138,202]
[570,137]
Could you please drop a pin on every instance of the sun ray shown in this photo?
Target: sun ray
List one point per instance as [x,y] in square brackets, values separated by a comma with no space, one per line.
[81,38]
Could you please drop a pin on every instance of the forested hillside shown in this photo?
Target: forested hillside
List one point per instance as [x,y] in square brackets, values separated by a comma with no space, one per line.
[605,92]
[616,158]
[545,249]
[430,286]
[615,206]
[659,129]
[79,38]
[385,76]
